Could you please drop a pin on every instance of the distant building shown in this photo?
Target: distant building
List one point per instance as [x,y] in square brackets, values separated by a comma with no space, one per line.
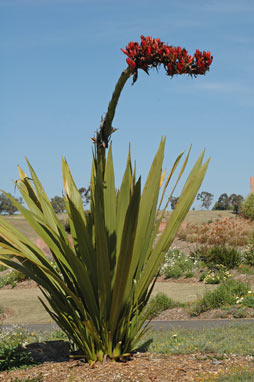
[251,184]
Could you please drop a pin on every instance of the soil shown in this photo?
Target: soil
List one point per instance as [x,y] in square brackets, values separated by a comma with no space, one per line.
[142,367]
[177,314]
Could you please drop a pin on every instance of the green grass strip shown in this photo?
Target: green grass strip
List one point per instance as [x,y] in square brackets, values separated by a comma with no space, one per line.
[236,339]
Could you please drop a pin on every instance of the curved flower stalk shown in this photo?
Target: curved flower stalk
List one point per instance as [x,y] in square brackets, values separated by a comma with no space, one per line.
[150,53]
[98,291]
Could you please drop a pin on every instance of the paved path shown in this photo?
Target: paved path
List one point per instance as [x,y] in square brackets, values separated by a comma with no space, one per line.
[156,325]
[27,309]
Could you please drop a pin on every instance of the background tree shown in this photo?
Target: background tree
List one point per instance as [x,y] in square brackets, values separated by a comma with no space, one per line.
[206,199]
[232,202]
[236,202]
[6,205]
[85,195]
[223,203]
[58,204]
[173,202]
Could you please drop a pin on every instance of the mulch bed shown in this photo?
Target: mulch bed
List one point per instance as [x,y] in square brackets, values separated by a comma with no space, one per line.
[143,367]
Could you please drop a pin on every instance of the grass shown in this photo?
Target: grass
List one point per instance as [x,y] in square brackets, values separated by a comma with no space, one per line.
[235,339]
[236,374]
[221,341]
[21,224]
[24,306]
[202,216]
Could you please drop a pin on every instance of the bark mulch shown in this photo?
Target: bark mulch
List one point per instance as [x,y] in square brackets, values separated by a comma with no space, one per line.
[142,367]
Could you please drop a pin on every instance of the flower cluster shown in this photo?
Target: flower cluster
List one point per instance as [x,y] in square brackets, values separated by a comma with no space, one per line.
[215,277]
[151,53]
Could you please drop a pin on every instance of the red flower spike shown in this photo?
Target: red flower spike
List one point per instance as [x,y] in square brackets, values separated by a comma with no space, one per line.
[152,53]
[131,63]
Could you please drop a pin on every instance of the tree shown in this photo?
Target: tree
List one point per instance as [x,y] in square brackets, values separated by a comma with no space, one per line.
[206,199]
[173,202]
[236,202]
[6,205]
[58,204]
[223,203]
[232,202]
[85,195]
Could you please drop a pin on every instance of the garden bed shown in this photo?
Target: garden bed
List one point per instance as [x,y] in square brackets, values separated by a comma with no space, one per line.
[143,367]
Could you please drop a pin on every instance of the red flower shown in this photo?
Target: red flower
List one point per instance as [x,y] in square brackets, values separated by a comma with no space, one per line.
[152,53]
[131,63]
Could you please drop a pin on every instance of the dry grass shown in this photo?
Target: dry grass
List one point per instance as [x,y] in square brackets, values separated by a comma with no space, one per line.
[233,231]
[194,217]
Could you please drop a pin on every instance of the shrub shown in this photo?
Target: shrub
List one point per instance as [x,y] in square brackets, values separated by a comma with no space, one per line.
[12,278]
[246,269]
[228,231]
[13,357]
[202,276]
[174,272]
[215,277]
[2,268]
[247,207]
[159,303]
[12,353]
[176,264]
[248,252]
[248,301]
[189,274]
[226,293]
[213,257]
[235,311]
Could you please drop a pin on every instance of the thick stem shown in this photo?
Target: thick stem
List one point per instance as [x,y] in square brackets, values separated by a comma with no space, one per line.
[105,131]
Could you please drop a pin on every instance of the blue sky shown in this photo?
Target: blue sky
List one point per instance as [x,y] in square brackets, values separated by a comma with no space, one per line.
[60,60]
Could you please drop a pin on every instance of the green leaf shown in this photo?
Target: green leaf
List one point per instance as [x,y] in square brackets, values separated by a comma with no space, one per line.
[124,259]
